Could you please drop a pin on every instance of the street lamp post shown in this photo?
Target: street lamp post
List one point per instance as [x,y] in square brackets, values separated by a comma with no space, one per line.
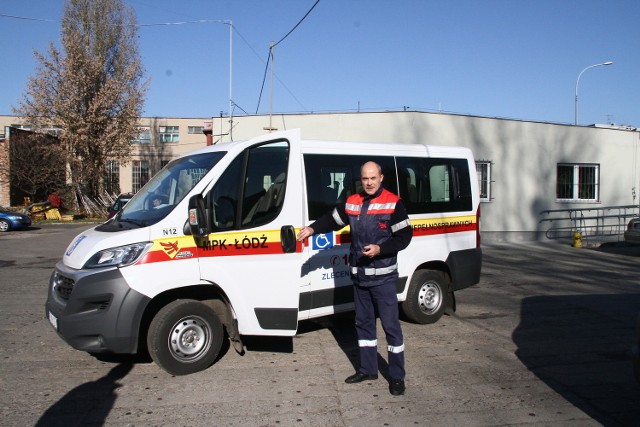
[230,24]
[578,81]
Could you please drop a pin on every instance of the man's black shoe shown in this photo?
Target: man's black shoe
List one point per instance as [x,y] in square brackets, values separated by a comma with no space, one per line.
[396,387]
[358,377]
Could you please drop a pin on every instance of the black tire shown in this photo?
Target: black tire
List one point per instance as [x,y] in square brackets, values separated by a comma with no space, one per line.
[427,298]
[185,337]
[4,225]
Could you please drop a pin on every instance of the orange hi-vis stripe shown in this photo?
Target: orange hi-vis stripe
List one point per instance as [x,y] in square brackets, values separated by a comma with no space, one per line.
[262,242]
[267,242]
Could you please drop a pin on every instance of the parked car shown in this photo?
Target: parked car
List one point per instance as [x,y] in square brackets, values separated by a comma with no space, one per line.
[13,220]
[636,351]
[632,233]
[119,204]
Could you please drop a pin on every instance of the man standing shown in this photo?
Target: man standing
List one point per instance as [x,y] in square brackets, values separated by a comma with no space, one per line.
[380,228]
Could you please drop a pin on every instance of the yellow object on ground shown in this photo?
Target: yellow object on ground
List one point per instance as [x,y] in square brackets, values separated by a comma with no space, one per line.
[53,213]
[577,239]
[45,212]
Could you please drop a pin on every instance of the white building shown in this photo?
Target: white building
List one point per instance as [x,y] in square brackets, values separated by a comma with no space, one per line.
[524,168]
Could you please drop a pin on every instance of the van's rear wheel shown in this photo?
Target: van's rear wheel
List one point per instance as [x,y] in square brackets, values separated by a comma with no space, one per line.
[185,337]
[427,297]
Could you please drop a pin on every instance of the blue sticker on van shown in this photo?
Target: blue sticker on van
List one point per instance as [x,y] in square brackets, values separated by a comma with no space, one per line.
[75,244]
[322,241]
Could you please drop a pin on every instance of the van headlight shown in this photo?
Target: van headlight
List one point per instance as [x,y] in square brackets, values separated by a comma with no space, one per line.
[120,256]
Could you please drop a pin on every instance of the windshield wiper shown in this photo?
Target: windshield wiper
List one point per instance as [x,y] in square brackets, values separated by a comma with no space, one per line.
[133,221]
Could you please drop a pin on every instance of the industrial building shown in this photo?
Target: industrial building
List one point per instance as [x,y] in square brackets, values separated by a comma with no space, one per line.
[538,180]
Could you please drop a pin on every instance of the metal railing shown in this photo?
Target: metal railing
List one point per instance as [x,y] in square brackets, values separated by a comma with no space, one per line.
[596,223]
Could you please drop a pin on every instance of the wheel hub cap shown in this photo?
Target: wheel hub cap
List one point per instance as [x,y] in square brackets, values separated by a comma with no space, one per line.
[429,298]
[188,338]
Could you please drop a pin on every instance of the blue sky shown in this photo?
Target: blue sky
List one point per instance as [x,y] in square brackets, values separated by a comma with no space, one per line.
[516,59]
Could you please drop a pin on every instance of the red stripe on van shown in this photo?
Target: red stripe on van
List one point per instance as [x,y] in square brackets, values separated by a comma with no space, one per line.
[444,228]
[266,248]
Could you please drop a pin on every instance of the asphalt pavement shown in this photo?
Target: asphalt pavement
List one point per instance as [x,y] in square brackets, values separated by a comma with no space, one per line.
[543,340]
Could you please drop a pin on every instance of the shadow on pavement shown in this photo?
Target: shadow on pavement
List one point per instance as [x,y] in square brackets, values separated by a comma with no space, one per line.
[89,403]
[580,346]
[620,248]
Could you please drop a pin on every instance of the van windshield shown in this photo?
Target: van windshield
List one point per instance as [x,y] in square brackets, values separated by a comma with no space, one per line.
[164,191]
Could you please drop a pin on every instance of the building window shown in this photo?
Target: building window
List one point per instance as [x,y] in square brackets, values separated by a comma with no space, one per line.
[578,182]
[483,170]
[140,174]
[169,133]
[144,136]
[196,129]
[112,177]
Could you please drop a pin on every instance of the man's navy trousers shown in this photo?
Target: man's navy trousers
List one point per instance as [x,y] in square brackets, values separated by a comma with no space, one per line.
[379,297]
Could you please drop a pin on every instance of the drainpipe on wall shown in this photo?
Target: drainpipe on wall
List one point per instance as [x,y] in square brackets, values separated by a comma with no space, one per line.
[208,132]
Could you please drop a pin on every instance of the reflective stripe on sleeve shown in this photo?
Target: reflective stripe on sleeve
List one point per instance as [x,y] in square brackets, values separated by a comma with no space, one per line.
[400,225]
[337,219]
[395,349]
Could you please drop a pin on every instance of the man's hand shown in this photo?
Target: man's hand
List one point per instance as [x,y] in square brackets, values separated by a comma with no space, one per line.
[371,251]
[304,233]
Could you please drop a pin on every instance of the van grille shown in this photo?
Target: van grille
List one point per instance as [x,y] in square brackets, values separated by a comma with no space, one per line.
[63,286]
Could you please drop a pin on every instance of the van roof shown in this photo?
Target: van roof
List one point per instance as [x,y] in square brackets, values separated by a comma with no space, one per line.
[345,147]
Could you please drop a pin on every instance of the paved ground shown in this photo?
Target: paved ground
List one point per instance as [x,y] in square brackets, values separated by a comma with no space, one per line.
[544,339]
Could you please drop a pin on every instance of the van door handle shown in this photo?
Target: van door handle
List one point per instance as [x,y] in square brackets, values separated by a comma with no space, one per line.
[288,238]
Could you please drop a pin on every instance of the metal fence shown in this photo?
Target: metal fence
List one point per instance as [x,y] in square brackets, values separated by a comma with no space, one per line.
[597,223]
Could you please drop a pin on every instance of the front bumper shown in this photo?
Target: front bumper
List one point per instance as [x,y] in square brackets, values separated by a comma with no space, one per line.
[17,223]
[95,310]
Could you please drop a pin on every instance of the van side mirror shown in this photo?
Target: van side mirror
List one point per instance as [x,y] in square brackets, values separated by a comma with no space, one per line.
[198,220]
[288,238]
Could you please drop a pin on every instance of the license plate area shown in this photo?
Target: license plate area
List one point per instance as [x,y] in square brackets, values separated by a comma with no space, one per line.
[53,320]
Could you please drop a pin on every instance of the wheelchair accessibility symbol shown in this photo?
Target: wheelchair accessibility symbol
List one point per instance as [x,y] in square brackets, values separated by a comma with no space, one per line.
[322,241]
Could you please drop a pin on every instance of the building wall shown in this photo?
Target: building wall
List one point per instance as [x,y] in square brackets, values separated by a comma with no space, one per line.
[156,151]
[524,155]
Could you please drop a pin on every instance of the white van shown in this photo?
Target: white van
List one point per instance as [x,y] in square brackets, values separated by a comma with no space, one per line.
[208,246]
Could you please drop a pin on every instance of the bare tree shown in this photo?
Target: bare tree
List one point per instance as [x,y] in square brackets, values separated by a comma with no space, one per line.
[92,89]
[35,164]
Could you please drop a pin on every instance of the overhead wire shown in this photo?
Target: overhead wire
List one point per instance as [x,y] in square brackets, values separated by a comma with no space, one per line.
[198,21]
[26,18]
[296,26]
[264,77]
[205,21]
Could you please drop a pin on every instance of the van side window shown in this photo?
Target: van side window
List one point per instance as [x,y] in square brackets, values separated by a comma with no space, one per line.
[251,190]
[225,196]
[434,184]
[330,179]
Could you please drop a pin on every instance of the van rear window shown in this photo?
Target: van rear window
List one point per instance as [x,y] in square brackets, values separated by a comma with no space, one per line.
[429,185]
[426,185]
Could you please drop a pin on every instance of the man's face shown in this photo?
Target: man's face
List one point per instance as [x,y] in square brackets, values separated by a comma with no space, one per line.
[371,178]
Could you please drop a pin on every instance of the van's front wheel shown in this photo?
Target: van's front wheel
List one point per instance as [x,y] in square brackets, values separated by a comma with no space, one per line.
[185,337]
[427,297]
